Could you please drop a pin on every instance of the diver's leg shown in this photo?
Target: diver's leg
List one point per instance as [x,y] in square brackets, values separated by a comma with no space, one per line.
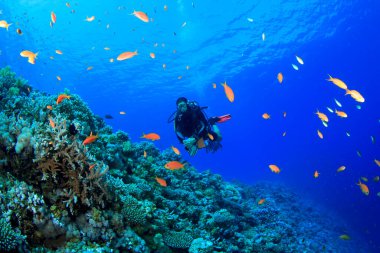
[216,130]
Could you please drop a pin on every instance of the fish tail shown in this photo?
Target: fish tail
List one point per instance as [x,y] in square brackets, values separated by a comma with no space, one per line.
[142,135]
[330,77]
[9,26]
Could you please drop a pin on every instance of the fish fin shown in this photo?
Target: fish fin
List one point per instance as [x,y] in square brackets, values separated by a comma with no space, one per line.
[330,78]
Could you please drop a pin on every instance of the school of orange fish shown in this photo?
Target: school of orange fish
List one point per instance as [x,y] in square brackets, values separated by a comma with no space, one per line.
[176,165]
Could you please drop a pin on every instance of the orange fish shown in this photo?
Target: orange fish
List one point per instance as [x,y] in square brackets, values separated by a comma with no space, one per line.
[145,154]
[266,116]
[141,15]
[49,107]
[377,162]
[274,168]
[52,123]
[210,136]
[341,168]
[337,82]
[161,181]
[151,136]
[91,166]
[341,114]
[355,95]
[90,139]
[280,77]
[53,17]
[214,85]
[229,93]
[363,188]
[59,78]
[322,116]
[261,201]
[175,150]
[62,97]
[174,165]
[126,55]
[316,174]
[152,55]
[4,24]
[320,134]
[90,19]
[31,60]
[29,54]
[58,51]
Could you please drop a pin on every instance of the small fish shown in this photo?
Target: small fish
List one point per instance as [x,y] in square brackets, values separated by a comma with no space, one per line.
[152,55]
[377,162]
[363,188]
[341,114]
[183,24]
[59,78]
[107,48]
[165,7]
[283,134]
[280,77]
[62,97]
[164,66]
[90,139]
[29,54]
[141,15]
[18,30]
[348,134]
[299,59]
[284,114]
[31,60]
[89,68]
[214,85]
[358,107]
[274,168]
[330,110]
[4,24]
[145,154]
[52,123]
[372,139]
[316,174]
[179,77]
[49,107]
[67,4]
[174,165]
[337,103]
[295,66]
[108,116]
[263,36]
[337,82]
[359,153]
[122,113]
[187,67]
[229,92]
[364,179]
[322,116]
[261,201]
[126,55]
[90,19]
[111,60]
[210,136]
[53,17]
[151,136]
[320,134]
[355,95]
[58,51]
[265,116]
[175,150]
[344,237]
[250,20]
[341,168]
[324,124]
[378,194]
[161,181]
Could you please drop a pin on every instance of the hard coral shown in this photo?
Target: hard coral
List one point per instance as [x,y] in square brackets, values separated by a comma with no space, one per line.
[8,238]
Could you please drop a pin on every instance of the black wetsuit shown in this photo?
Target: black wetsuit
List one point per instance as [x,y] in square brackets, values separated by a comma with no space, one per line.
[191,123]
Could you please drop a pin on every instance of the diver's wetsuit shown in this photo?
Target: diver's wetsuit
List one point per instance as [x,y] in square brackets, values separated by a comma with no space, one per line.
[191,123]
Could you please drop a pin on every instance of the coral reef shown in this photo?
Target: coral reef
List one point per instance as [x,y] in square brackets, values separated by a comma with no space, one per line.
[60,195]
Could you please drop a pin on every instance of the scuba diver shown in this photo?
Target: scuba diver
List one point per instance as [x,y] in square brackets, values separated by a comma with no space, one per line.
[194,129]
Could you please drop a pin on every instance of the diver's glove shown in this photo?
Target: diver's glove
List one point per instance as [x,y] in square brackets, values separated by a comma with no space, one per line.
[189,143]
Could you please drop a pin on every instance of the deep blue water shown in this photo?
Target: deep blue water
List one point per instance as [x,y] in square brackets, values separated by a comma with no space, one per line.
[220,44]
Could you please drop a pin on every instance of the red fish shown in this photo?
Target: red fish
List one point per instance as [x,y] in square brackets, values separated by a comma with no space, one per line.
[161,181]
[151,136]
[62,97]
[90,139]
[174,165]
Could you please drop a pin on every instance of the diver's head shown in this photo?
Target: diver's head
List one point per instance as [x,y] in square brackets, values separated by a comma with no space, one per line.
[182,104]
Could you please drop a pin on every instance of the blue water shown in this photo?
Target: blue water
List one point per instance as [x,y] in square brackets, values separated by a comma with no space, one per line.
[219,44]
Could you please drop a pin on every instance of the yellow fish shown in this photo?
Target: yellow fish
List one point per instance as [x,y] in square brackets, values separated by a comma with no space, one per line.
[280,77]
[322,116]
[377,162]
[4,24]
[320,134]
[337,82]
[229,92]
[355,95]
[341,168]
[341,114]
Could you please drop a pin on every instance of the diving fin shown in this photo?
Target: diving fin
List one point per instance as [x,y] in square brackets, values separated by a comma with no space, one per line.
[220,119]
